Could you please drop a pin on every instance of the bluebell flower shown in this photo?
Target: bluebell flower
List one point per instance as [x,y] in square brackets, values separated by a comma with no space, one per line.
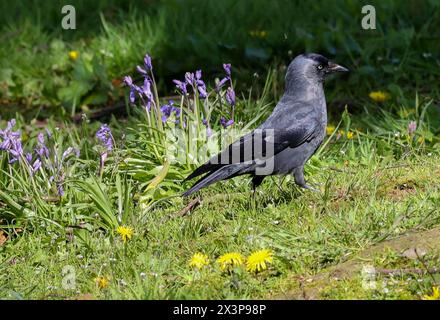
[41,150]
[227,68]
[221,83]
[36,166]
[148,63]
[197,81]
[128,81]
[141,70]
[230,96]
[168,109]
[166,112]
[40,138]
[189,78]
[203,94]
[208,128]
[176,111]
[11,141]
[60,189]
[16,150]
[132,96]
[104,135]
[208,132]
[69,151]
[146,89]
[226,123]
[181,86]
[48,134]
[144,92]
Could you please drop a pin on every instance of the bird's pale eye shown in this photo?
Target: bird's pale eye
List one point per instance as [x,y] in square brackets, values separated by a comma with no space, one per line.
[320,67]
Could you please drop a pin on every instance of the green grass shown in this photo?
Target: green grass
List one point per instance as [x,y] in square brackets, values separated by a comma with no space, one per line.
[378,185]
[307,231]
[112,36]
[391,287]
[373,187]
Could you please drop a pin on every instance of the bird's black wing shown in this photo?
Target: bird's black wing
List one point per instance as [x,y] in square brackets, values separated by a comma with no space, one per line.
[261,144]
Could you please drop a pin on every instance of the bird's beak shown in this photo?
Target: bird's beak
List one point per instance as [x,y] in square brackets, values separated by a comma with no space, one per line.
[334,67]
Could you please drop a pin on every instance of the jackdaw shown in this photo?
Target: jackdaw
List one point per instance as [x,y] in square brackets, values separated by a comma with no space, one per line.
[289,136]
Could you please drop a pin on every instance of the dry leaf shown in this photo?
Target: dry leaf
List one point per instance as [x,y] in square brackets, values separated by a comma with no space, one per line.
[3,238]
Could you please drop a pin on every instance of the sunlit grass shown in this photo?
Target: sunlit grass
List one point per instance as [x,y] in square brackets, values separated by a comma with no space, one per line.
[115,223]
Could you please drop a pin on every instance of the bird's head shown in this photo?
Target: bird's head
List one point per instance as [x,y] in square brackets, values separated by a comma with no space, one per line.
[312,67]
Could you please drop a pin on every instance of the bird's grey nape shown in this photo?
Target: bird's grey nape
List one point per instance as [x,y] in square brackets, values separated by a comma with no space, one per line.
[301,73]
[309,69]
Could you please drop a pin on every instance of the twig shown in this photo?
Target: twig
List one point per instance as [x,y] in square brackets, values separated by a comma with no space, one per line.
[431,274]
[191,206]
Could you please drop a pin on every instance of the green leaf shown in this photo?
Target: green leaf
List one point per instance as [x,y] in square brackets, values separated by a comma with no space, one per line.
[16,208]
[95,98]
[74,91]
[159,178]
[100,199]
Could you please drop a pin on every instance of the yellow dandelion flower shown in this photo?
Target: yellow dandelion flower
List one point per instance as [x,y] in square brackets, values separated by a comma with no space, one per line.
[263,33]
[421,140]
[259,260]
[379,96]
[73,55]
[435,294]
[125,232]
[230,260]
[102,282]
[258,33]
[350,135]
[330,129]
[198,260]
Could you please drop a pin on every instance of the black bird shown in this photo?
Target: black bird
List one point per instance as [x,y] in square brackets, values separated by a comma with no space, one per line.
[289,136]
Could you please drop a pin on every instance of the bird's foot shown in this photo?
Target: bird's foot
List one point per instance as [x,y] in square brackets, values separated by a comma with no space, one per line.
[306,186]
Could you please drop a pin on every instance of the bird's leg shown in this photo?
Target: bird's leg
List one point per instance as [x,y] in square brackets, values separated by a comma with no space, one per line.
[254,199]
[298,174]
[256,181]
[254,191]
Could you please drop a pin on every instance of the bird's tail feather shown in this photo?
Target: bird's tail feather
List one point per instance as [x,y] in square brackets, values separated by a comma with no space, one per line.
[221,174]
[203,169]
